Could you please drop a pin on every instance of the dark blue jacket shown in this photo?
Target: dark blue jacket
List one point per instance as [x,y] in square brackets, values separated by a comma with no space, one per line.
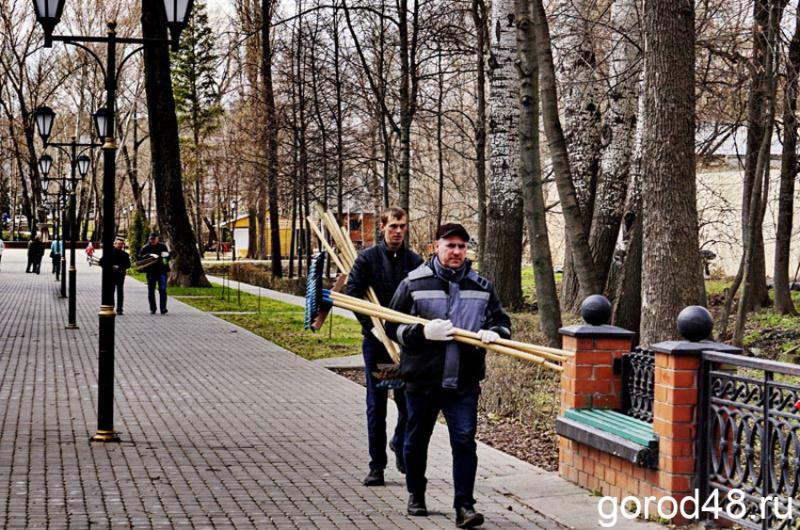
[383,270]
[425,294]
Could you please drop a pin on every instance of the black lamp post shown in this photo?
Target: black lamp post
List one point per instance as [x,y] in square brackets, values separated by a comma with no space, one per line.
[79,163]
[45,164]
[48,14]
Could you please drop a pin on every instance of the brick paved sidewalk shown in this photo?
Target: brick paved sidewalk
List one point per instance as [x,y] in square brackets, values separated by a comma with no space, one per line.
[220,428]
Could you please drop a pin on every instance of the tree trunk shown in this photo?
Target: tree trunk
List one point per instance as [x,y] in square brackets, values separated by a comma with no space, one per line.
[672,275]
[624,283]
[252,232]
[479,18]
[620,130]
[187,270]
[502,260]
[756,123]
[753,243]
[577,233]
[579,94]
[531,176]
[783,238]
[271,132]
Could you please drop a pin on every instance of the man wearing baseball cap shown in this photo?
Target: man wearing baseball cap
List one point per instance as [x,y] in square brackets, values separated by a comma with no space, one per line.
[156,272]
[441,374]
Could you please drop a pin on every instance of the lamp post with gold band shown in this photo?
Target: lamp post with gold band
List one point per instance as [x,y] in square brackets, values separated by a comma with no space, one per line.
[48,14]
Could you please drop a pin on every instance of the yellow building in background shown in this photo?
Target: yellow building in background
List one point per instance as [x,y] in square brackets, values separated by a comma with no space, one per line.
[241,235]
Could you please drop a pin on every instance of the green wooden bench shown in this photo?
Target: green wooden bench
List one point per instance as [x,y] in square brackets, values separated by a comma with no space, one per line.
[612,432]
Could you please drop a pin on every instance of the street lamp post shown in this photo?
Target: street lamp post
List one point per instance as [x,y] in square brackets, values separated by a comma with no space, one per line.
[79,163]
[48,14]
[59,213]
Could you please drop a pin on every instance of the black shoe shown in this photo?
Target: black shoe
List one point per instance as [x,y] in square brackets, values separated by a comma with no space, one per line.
[416,505]
[164,311]
[152,311]
[398,458]
[119,312]
[467,517]
[375,478]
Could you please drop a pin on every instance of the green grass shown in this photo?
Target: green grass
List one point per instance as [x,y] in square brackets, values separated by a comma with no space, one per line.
[277,322]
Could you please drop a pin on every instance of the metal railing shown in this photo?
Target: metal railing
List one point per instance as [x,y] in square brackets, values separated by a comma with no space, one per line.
[638,384]
[749,439]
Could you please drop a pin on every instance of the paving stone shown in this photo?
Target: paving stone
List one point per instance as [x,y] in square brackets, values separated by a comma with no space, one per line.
[220,428]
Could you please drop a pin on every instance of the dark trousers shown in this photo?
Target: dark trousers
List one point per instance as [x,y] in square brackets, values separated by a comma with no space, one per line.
[119,284]
[377,402]
[461,413]
[30,264]
[37,264]
[57,265]
[161,280]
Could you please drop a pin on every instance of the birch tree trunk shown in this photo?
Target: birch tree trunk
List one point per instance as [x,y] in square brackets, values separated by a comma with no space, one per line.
[783,237]
[502,248]
[579,98]
[530,170]
[624,283]
[577,232]
[672,275]
[620,131]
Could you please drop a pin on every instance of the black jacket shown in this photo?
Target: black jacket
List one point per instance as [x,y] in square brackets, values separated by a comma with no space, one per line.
[120,261]
[383,270]
[162,265]
[423,293]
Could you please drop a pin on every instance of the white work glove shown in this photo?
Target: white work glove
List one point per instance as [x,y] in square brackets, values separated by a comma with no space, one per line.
[153,255]
[375,332]
[165,254]
[487,336]
[439,329]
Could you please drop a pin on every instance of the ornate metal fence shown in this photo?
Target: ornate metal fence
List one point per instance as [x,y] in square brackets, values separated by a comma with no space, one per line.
[638,384]
[737,453]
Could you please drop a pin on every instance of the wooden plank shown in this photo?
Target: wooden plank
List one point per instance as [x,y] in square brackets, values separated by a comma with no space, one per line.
[610,426]
[607,442]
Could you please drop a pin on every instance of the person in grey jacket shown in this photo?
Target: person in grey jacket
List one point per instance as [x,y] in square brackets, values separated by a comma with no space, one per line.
[441,374]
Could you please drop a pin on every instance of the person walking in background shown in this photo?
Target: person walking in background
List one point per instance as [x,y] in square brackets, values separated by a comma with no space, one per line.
[2,248]
[56,249]
[89,253]
[35,253]
[120,263]
[156,271]
[382,267]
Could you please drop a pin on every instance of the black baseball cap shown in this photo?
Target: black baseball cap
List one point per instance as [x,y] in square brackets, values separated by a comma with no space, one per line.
[452,229]
[152,235]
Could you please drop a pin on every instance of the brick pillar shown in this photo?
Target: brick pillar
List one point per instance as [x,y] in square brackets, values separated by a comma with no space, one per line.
[675,413]
[588,378]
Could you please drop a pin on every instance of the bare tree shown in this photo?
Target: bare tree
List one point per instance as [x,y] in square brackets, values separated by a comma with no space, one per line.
[783,238]
[577,231]
[531,175]
[173,218]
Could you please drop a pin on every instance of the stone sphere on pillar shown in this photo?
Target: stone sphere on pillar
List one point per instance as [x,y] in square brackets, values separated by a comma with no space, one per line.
[596,310]
[695,323]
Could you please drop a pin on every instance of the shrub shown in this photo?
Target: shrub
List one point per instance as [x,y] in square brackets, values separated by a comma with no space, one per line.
[139,232]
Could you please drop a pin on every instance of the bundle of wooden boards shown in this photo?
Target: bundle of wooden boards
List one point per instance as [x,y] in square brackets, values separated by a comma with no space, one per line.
[344,255]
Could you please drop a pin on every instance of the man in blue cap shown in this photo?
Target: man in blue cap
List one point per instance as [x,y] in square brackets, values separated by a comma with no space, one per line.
[441,374]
